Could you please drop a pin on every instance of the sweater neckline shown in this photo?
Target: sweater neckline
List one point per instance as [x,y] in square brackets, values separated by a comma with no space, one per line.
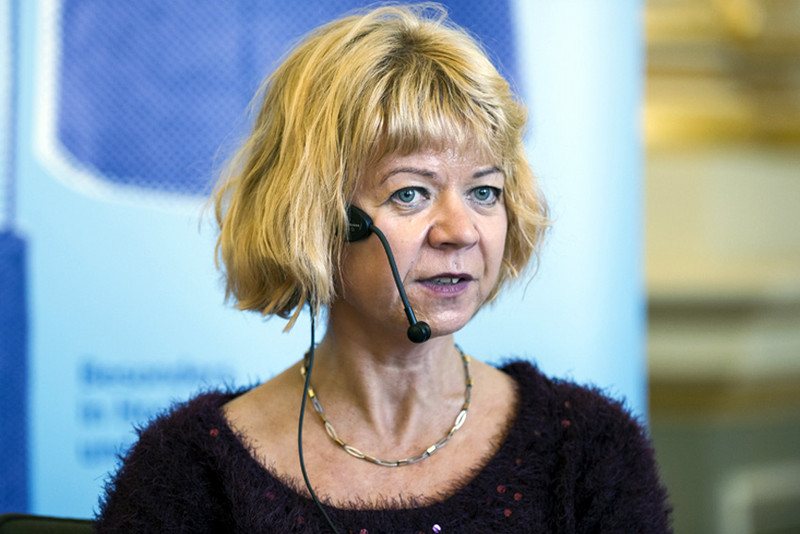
[480,479]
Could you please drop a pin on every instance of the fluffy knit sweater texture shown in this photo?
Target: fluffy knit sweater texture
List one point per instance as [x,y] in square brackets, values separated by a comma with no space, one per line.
[574,461]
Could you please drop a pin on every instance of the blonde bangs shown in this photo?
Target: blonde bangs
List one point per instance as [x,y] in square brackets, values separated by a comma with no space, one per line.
[393,80]
[427,85]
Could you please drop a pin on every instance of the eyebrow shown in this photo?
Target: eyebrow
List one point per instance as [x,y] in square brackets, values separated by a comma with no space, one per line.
[429,174]
[486,172]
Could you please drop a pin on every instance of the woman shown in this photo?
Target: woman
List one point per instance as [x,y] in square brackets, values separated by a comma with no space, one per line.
[400,114]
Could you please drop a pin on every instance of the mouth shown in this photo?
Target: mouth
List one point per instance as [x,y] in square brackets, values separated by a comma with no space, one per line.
[445,280]
[448,279]
[448,285]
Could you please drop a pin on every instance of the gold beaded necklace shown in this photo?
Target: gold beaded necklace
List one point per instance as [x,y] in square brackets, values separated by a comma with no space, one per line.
[352,451]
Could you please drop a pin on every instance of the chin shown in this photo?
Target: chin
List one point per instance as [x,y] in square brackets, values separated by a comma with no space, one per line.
[445,326]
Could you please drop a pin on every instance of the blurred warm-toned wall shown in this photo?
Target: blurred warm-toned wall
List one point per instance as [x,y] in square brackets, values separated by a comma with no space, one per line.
[722,130]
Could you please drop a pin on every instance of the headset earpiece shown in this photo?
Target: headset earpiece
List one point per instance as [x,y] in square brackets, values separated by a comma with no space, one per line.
[359,224]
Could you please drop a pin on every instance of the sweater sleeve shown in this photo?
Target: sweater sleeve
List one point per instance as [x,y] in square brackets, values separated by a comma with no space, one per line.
[165,482]
[617,485]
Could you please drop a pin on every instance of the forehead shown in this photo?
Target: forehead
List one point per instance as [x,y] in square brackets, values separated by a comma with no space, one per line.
[431,161]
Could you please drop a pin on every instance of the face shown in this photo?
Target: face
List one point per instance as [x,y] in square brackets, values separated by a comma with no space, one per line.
[444,216]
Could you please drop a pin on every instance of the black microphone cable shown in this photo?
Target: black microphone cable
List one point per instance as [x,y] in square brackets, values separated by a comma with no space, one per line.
[360,226]
[300,426]
[418,331]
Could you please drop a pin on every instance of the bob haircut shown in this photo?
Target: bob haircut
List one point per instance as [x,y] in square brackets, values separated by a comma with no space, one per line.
[395,79]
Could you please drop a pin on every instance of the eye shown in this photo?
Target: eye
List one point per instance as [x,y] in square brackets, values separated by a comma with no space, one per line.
[409,195]
[486,195]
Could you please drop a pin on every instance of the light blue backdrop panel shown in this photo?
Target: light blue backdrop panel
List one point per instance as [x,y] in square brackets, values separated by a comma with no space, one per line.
[126,309]
[150,90]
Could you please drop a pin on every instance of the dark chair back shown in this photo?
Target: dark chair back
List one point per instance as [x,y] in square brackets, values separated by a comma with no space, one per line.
[37,524]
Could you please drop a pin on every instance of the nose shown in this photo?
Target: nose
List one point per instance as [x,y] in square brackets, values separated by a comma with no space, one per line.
[453,224]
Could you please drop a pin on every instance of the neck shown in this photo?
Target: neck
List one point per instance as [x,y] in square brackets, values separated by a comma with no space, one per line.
[387,389]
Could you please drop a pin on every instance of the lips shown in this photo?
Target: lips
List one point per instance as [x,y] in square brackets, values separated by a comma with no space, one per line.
[445,280]
[448,279]
[448,284]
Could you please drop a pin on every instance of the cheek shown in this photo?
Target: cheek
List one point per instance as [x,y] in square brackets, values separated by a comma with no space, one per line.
[494,258]
[497,240]
[364,268]
[406,238]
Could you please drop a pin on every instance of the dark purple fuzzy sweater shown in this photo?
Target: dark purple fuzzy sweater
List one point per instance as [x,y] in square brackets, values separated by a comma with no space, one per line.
[574,461]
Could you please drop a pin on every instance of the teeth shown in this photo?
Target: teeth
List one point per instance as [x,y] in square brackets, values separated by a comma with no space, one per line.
[446,281]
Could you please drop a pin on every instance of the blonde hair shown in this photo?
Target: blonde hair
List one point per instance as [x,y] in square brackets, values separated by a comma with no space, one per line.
[392,80]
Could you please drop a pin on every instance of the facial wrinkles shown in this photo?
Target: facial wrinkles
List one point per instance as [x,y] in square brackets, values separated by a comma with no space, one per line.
[471,258]
[436,172]
[368,283]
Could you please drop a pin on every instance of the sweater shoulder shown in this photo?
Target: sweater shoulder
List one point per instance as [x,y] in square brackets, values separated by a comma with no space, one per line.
[567,402]
[603,461]
[188,416]
[170,472]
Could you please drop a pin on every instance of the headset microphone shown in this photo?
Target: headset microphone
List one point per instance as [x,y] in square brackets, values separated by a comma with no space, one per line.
[360,227]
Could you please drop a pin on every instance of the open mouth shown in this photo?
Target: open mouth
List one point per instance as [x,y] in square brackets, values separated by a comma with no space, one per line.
[446,280]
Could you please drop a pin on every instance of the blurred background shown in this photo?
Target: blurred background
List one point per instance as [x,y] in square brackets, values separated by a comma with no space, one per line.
[115,119]
[722,182]
[671,277]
